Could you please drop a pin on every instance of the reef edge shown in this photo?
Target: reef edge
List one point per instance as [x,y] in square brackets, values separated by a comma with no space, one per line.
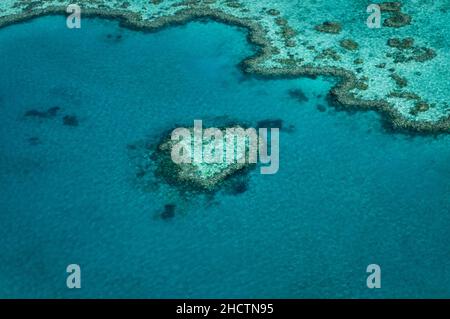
[339,96]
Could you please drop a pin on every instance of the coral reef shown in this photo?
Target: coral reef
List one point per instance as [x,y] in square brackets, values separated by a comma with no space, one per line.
[168,212]
[397,19]
[195,175]
[349,44]
[329,27]
[49,113]
[70,120]
[299,95]
[321,108]
[401,43]
[155,165]
[289,47]
[34,140]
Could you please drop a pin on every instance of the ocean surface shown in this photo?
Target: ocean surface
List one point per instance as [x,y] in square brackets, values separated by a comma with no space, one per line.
[347,194]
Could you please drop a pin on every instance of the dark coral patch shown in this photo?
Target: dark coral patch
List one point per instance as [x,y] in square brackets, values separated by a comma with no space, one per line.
[329,27]
[393,6]
[168,212]
[114,37]
[407,52]
[405,43]
[36,113]
[34,141]
[349,44]
[419,107]
[399,80]
[397,20]
[70,120]
[273,12]
[49,113]
[239,188]
[329,54]
[321,108]
[299,95]
[53,111]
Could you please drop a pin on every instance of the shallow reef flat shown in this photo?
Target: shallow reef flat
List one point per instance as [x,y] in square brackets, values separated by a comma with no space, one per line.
[399,69]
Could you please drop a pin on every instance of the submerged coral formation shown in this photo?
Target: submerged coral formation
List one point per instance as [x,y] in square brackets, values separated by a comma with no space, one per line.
[49,113]
[70,120]
[154,162]
[169,212]
[329,27]
[199,175]
[376,68]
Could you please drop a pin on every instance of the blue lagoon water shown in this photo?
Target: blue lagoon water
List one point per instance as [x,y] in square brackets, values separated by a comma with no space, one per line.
[348,194]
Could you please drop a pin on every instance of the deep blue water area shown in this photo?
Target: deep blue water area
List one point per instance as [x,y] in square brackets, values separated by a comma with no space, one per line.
[347,194]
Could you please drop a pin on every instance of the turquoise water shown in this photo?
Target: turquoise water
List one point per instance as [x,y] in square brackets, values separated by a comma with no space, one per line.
[348,194]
